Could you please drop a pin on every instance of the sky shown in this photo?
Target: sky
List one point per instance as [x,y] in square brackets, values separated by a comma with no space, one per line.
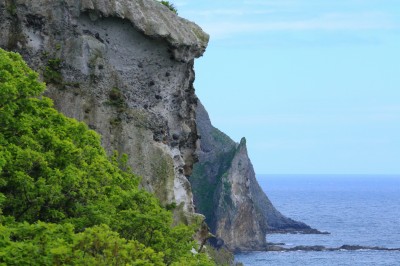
[313,85]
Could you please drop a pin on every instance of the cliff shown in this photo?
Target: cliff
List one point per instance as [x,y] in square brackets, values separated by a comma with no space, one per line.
[226,191]
[126,69]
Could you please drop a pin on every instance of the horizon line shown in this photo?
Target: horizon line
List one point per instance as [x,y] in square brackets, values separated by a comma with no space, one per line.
[359,174]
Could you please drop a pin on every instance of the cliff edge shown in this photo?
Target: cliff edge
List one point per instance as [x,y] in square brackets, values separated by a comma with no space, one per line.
[124,67]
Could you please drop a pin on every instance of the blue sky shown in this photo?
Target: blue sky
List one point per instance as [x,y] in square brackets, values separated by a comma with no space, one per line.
[314,86]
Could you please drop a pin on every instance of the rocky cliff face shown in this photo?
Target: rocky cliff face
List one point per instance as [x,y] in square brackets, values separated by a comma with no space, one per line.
[227,193]
[125,67]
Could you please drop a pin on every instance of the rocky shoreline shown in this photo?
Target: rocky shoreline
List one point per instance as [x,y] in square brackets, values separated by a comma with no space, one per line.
[306,231]
[279,248]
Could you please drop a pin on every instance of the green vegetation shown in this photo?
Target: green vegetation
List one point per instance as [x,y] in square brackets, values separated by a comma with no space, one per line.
[206,189]
[52,71]
[170,6]
[203,190]
[221,256]
[62,200]
[220,136]
[226,191]
[171,206]
[116,99]
[11,8]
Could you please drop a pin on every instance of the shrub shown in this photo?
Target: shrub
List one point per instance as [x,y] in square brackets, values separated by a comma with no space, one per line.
[62,199]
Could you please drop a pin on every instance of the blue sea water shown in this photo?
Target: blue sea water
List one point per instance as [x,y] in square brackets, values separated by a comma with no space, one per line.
[355,209]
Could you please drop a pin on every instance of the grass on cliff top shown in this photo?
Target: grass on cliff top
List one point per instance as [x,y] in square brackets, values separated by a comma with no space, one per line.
[63,200]
[170,6]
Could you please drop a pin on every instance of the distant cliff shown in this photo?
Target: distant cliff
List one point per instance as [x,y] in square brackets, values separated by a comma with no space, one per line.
[226,191]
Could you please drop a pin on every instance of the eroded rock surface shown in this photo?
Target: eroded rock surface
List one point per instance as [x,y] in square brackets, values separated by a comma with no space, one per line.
[125,67]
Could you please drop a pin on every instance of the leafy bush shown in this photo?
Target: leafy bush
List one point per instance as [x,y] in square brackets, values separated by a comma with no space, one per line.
[56,244]
[170,6]
[62,200]
[52,71]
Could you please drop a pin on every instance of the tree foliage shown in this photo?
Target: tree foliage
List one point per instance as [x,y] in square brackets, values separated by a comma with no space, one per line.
[62,200]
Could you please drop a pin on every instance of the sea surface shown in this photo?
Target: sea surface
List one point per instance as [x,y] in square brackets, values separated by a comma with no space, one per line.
[356,209]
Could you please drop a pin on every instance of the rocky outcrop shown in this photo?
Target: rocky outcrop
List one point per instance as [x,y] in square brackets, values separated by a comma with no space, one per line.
[226,191]
[125,67]
[238,221]
[323,248]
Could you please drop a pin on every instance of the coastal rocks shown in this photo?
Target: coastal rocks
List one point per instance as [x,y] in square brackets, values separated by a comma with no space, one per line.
[226,191]
[323,248]
[126,69]
[305,231]
[237,218]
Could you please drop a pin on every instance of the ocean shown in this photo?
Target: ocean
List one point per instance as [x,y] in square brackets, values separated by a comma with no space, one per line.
[356,209]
